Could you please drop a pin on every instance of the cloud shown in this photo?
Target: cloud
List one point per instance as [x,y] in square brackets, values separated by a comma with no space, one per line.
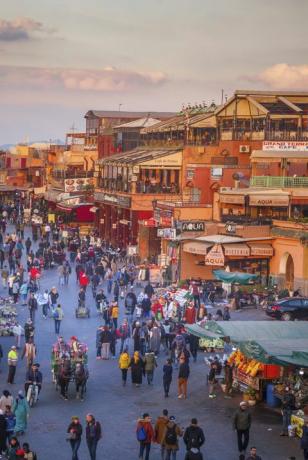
[284,76]
[109,79]
[19,29]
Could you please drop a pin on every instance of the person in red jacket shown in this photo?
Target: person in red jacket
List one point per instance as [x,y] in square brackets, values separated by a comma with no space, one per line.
[145,436]
[157,310]
[190,314]
[83,280]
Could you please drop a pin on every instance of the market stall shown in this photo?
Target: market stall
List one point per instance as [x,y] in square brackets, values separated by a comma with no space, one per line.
[8,321]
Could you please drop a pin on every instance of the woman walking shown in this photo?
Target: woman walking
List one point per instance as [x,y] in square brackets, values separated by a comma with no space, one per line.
[21,412]
[124,362]
[74,431]
[137,367]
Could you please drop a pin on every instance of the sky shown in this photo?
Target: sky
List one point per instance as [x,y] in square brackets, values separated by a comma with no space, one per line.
[60,58]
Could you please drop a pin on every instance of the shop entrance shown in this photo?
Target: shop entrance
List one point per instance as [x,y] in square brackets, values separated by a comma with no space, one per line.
[287,269]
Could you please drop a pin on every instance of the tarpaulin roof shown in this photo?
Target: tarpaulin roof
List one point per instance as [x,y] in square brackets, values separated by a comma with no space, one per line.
[269,342]
[234,277]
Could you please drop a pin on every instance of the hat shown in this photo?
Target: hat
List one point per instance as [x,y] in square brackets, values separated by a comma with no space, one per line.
[172,418]
[75,417]
[20,393]
[243,403]
[13,347]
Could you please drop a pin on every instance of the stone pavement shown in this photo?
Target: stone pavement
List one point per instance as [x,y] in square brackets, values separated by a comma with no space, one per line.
[118,408]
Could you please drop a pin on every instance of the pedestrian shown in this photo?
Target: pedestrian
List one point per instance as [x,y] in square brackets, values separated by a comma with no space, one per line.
[106,341]
[12,363]
[29,330]
[193,346]
[74,431]
[137,368]
[32,305]
[150,364]
[287,406]
[6,400]
[130,305]
[304,440]
[212,380]
[29,454]
[170,438]
[241,424]
[183,378]
[167,376]
[155,339]
[29,351]
[45,304]
[124,333]
[159,431]
[53,297]
[114,314]
[2,433]
[4,276]
[124,362]
[145,436]
[58,316]
[93,435]
[21,412]
[193,436]
[253,454]
[98,342]
[14,447]
[23,291]
[10,421]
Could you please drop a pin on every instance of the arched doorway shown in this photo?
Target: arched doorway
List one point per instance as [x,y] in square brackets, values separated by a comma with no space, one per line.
[287,269]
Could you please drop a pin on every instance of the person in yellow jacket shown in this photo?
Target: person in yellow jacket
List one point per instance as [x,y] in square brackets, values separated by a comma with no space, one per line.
[114,314]
[124,361]
[12,359]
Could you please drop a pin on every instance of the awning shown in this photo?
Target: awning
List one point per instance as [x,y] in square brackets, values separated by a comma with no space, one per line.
[239,249]
[232,199]
[269,200]
[234,277]
[261,249]
[195,247]
[275,156]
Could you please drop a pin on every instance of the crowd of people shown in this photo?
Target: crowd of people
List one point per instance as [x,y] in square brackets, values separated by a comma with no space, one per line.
[152,327]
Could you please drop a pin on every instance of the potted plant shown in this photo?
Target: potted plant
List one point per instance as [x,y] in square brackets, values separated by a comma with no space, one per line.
[250,394]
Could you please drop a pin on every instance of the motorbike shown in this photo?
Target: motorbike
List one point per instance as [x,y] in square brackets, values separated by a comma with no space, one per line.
[32,394]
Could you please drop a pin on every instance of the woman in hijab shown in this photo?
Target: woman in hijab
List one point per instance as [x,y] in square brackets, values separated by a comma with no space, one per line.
[137,367]
[21,411]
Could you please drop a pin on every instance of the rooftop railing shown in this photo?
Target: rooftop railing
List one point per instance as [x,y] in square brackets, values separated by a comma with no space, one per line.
[279,182]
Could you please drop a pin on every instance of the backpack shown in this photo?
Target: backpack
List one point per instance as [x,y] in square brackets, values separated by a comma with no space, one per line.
[171,437]
[141,434]
[55,314]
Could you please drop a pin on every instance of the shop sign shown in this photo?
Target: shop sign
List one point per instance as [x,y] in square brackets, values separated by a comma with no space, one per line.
[232,199]
[247,379]
[269,200]
[215,256]
[192,226]
[76,185]
[289,146]
[166,233]
[124,201]
[265,250]
[172,160]
[165,221]
[195,247]
[237,250]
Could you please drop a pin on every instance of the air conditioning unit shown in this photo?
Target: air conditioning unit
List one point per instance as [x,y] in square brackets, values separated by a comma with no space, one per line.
[244,148]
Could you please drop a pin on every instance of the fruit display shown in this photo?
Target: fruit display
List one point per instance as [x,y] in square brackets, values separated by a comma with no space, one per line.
[244,364]
[211,343]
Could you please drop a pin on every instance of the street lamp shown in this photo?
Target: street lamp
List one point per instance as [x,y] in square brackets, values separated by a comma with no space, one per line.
[120,105]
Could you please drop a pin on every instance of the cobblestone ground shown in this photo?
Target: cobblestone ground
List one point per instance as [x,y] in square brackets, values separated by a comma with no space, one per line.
[118,408]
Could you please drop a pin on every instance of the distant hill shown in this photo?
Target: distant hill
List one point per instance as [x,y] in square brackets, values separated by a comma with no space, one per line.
[50,141]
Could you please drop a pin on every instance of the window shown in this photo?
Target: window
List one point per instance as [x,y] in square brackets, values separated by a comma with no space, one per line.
[294,303]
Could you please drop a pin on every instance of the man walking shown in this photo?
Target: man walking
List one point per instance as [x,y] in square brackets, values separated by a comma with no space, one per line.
[183,378]
[145,436]
[93,435]
[193,436]
[12,363]
[32,305]
[160,427]
[241,424]
[149,366]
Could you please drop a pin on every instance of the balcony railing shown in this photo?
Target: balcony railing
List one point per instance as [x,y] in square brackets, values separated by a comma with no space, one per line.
[114,185]
[246,220]
[279,182]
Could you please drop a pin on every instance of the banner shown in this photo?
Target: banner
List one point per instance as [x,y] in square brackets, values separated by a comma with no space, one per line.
[215,256]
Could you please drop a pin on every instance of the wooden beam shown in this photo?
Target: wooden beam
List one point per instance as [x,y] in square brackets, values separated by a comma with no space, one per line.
[257,105]
[288,103]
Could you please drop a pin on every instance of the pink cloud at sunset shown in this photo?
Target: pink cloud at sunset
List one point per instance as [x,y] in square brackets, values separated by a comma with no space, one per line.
[285,76]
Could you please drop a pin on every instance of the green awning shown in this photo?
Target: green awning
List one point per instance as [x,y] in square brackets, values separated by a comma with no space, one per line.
[234,277]
[276,342]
